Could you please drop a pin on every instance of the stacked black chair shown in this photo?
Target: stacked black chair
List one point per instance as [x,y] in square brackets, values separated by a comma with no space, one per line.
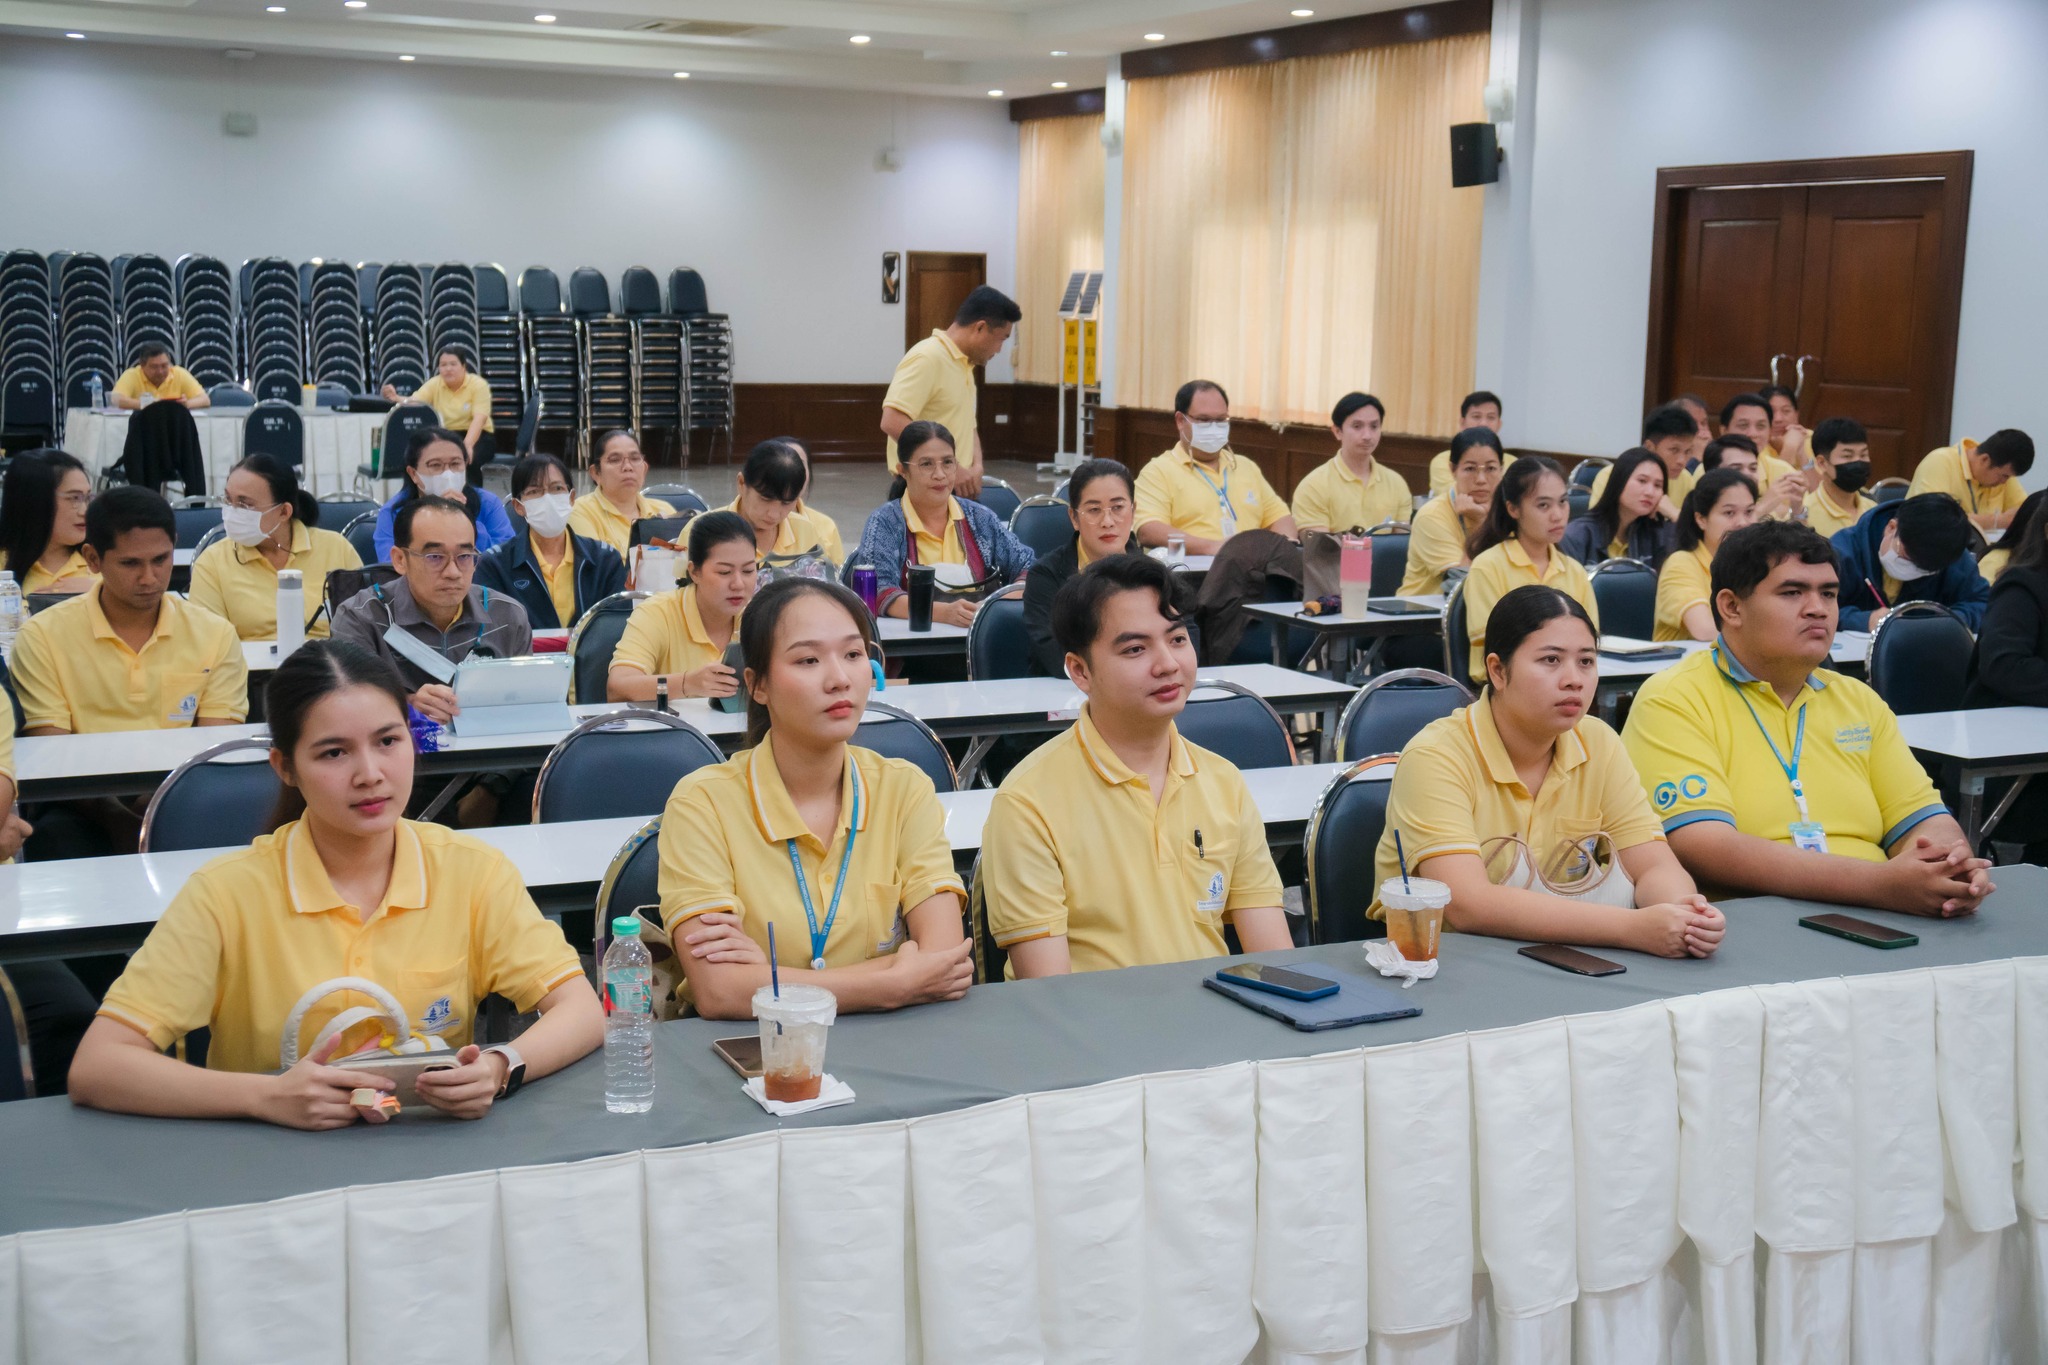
[88,326]
[452,312]
[206,320]
[273,328]
[149,309]
[498,357]
[334,327]
[708,345]
[398,328]
[552,359]
[657,354]
[28,352]
[605,341]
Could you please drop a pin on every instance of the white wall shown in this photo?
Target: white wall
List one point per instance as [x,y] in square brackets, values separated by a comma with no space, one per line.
[1626,86]
[771,192]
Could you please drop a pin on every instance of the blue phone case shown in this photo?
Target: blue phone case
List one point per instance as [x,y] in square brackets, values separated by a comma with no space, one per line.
[1358,1000]
[1319,993]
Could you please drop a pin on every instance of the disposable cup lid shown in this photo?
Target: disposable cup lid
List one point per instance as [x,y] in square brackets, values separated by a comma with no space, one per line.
[1419,893]
[797,1005]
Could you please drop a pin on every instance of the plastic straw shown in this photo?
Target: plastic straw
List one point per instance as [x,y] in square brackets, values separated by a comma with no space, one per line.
[775,977]
[1398,853]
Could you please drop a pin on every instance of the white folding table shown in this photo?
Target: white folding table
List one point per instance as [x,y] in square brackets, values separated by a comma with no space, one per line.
[1999,741]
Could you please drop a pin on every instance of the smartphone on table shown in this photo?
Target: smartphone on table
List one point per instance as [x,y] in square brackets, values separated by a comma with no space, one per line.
[1860,931]
[1572,960]
[741,1054]
[1263,976]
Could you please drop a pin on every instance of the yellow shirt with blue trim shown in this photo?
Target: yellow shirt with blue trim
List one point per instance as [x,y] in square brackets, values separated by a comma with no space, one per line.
[253,930]
[1190,498]
[1947,470]
[593,515]
[39,579]
[1455,790]
[1685,581]
[1436,541]
[1333,498]
[1702,734]
[73,672]
[666,634]
[1501,569]
[934,382]
[236,582]
[1442,478]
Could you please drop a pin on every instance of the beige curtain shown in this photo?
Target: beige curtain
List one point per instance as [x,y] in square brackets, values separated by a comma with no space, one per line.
[1290,231]
[1059,230]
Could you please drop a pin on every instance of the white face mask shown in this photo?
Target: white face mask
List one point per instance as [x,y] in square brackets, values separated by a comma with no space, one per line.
[443,483]
[1900,567]
[547,514]
[1209,437]
[244,525]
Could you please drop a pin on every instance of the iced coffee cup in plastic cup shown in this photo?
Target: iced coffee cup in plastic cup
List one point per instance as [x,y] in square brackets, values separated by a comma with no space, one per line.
[1415,914]
[793,1029]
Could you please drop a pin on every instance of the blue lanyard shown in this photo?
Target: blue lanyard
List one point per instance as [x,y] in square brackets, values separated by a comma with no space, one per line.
[803,885]
[1223,493]
[1791,769]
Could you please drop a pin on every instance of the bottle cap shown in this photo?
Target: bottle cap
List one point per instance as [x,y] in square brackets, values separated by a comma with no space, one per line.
[626,926]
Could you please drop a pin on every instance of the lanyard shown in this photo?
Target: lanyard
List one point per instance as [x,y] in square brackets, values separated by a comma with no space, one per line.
[1969,483]
[1222,494]
[803,885]
[1791,769]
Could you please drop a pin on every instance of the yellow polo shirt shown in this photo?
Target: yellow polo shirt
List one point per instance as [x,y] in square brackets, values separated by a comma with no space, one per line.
[1947,470]
[71,671]
[1505,567]
[1455,789]
[252,931]
[1332,498]
[179,383]
[1697,735]
[1685,581]
[1993,564]
[1824,517]
[39,579]
[560,577]
[1436,541]
[1173,489]
[947,548]
[1063,853]
[456,407]
[593,515]
[666,634]
[1442,479]
[725,846]
[828,530]
[934,382]
[237,582]
[1675,488]
[797,535]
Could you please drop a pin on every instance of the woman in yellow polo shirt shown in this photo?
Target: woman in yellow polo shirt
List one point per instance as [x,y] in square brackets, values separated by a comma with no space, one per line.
[271,525]
[620,471]
[828,529]
[346,888]
[680,637]
[842,850]
[1437,536]
[1517,544]
[42,522]
[1720,502]
[771,485]
[1526,806]
[462,401]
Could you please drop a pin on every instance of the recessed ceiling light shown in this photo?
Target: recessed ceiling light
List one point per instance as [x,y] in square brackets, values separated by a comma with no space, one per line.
[273,9]
[995,94]
[682,75]
[1155,37]
[859,38]
[355,4]
[74,35]
[1059,85]
[543,18]
[1302,13]
[406,58]
[1059,52]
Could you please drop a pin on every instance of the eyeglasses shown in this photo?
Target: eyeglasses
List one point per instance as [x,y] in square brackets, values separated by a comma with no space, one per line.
[74,499]
[436,561]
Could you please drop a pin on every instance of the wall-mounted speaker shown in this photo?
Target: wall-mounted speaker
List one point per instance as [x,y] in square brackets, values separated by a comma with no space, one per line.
[1475,154]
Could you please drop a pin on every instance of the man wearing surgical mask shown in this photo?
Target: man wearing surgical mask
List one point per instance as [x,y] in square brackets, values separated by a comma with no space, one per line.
[1201,489]
[1916,550]
[1841,451]
[554,573]
[437,465]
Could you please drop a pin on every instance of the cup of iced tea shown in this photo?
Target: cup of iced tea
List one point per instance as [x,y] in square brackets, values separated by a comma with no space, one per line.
[1415,914]
[793,1030]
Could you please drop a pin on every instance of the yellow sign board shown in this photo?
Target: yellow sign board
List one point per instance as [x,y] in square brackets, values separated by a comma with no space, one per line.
[1070,363]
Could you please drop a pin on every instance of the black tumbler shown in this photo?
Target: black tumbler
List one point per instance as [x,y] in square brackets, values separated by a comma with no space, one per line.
[923,578]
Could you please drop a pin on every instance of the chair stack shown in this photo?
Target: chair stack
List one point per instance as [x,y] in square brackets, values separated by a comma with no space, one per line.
[85,311]
[498,357]
[657,354]
[552,359]
[707,338]
[149,311]
[335,326]
[398,327]
[452,313]
[28,350]
[273,323]
[610,398]
[206,319]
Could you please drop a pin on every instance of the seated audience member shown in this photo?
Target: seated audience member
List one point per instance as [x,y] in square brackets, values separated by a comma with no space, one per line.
[1916,550]
[1995,562]
[1669,432]
[1201,488]
[1779,501]
[777,832]
[620,471]
[155,378]
[828,529]
[1624,522]
[934,382]
[1696,408]
[680,637]
[1981,475]
[342,887]
[2011,663]
[1064,891]
[1722,501]
[1351,490]
[127,654]
[923,523]
[1841,455]
[1789,442]
[1748,415]
[1101,501]
[437,604]
[1481,409]
[1525,805]
[42,522]
[1775,776]
[436,465]
[1517,545]
[461,401]
[1437,536]
[554,573]
[56,1007]
[771,485]
[270,524]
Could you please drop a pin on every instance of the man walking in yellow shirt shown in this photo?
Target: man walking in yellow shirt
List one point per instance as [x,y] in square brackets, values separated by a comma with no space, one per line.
[934,382]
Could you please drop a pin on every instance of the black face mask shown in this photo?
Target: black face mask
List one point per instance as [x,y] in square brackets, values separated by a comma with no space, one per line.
[1851,476]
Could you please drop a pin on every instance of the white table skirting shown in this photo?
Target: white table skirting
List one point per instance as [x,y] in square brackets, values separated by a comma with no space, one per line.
[336,444]
[1843,1170]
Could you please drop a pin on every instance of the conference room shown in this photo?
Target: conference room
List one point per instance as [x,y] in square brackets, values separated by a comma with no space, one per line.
[1529,506]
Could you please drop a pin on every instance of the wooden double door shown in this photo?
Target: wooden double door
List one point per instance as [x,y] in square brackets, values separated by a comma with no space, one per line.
[1839,279]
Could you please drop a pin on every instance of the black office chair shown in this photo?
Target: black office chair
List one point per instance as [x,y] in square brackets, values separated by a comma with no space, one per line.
[1587,470]
[998,645]
[231,396]
[195,520]
[1393,708]
[17,1076]
[339,509]
[679,496]
[1625,590]
[632,884]
[618,765]
[1920,658]
[277,430]
[594,639]
[998,497]
[361,534]
[529,427]
[1043,524]
[902,735]
[221,797]
[646,530]
[1389,558]
[1241,725]
[686,296]
[1341,848]
[1578,501]
[1457,644]
[399,425]
[1889,490]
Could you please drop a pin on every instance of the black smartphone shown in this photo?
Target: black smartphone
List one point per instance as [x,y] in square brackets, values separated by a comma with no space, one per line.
[1860,931]
[1572,960]
[1394,606]
[1285,981]
[741,1054]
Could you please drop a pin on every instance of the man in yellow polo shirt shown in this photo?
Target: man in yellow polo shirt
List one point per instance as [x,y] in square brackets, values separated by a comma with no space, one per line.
[1749,415]
[934,382]
[1202,488]
[1775,776]
[1119,843]
[1841,452]
[1669,432]
[154,377]
[1480,409]
[1351,488]
[460,399]
[1984,476]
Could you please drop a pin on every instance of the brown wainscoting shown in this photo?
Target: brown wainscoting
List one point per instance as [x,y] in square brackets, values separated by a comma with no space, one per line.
[1415,24]
[844,421]
[1059,104]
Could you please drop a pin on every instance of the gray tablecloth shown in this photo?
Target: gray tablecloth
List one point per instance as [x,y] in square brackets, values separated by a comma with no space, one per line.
[70,1168]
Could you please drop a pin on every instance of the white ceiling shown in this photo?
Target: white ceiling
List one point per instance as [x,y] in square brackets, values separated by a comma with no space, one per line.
[946,47]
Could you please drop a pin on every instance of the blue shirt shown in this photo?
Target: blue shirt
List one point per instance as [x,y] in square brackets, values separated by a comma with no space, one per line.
[493,526]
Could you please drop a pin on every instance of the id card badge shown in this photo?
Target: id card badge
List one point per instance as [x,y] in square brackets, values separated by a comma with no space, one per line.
[1808,837]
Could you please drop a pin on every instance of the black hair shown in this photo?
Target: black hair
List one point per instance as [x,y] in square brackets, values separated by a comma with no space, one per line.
[1477,398]
[2010,448]
[1669,420]
[283,481]
[757,635]
[314,671]
[28,504]
[124,508]
[1523,612]
[1770,391]
[1740,401]
[1933,530]
[150,350]
[2028,533]
[1184,396]
[607,437]
[1746,558]
[416,449]
[1088,471]
[1701,500]
[533,469]
[911,440]
[1339,415]
[1462,443]
[776,472]
[989,305]
[1514,485]
[709,530]
[1077,606]
[1606,513]
[1710,458]
[461,353]
[1836,431]
[408,513]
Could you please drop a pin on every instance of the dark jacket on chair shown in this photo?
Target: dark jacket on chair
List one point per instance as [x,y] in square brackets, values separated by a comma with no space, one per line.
[1959,587]
[1051,570]
[2010,667]
[163,445]
[513,569]
[1242,571]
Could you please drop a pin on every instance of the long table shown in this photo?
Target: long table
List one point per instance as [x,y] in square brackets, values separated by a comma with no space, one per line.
[1793,1140]
[1984,745]
[337,443]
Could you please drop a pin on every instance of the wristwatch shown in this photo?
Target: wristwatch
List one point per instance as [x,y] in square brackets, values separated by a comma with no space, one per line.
[515,1070]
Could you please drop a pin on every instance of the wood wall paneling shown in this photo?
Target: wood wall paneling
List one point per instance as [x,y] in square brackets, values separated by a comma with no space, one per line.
[1059,104]
[1414,24]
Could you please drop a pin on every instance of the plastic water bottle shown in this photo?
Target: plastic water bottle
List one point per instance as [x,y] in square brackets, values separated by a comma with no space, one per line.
[628,1020]
[291,611]
[99,394]
[10,612]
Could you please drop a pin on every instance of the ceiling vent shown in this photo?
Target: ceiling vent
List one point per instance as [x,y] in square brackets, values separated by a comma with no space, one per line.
[703,28]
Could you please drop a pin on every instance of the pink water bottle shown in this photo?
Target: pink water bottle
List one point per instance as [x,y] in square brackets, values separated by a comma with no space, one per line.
[1354,573]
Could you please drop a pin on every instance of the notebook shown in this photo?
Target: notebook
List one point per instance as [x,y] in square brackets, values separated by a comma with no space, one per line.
[1359,1000]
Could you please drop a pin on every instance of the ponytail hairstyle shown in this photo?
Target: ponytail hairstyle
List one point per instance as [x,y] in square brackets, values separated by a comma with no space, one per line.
[709,530]
[284,486]
[757,635]
[1514,485]
[313,672]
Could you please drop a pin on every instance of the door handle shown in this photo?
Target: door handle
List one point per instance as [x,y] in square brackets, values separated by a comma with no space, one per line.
[1799,380]
[1774,365]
